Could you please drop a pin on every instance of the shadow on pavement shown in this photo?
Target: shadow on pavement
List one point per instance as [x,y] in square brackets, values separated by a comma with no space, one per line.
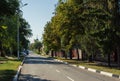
[40,60]
[7,75]
[28,77]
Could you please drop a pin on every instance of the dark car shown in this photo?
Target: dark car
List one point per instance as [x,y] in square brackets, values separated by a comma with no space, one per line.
[27,52]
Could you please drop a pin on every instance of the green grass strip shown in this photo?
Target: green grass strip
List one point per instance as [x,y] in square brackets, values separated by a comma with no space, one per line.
[8,68]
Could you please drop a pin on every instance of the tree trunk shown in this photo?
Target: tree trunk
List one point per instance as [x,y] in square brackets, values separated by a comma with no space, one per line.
[70,53]
[118,55]
[109,62]
[52,53]
[64,54]
[78,58]
[55,54]
[2,53]
[0,48]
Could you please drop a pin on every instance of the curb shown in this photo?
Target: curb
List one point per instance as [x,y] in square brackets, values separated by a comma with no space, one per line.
[18,71]
[101,72]
[93,70]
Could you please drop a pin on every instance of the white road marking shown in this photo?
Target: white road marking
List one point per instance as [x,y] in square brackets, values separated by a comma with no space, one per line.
[57,70]
[70,78]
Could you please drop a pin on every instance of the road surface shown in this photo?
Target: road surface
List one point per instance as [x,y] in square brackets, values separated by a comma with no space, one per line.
[38,68]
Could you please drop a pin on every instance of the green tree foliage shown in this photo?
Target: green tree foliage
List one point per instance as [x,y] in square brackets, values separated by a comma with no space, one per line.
[51,39]
[90,25]
[25,33]
[95,19]
[9,34]
[10,15]
[8,7]
[36,46]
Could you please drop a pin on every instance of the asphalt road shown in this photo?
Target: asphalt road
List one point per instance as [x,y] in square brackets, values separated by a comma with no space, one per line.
[38,68]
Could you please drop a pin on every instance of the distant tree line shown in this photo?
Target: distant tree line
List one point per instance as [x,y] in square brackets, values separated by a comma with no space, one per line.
[10,19]
[36,46]
[90,25]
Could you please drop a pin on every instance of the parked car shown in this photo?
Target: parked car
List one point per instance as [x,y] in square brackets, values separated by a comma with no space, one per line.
[27,52]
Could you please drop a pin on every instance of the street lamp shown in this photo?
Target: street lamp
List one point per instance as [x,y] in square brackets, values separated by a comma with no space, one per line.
[18,38]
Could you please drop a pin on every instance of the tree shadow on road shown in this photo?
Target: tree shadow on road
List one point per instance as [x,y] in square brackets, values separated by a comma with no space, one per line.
[28,77]
[39,60]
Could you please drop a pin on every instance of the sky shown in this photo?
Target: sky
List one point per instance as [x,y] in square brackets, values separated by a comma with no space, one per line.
[37,13]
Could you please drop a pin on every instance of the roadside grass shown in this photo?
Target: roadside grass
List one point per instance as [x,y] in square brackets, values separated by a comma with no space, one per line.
[93,65]
[8,68]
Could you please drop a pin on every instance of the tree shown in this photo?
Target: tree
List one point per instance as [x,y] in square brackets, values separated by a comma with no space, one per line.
[9,15]
[25,33]
[90,25]
[37,45]
[51,39]
[95,19]
[8,9]
[70,26]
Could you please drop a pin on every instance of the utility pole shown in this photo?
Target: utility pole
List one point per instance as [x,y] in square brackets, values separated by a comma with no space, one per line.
[18,33]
